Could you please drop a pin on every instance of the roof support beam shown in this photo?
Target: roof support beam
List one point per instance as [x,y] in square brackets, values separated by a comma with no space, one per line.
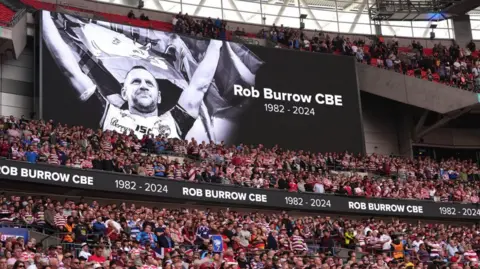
[357,16]
[446,118]
[280,12]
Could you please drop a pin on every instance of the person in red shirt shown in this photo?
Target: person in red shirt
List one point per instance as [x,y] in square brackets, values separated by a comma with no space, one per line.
[292,185]
[112,232]
[98,255]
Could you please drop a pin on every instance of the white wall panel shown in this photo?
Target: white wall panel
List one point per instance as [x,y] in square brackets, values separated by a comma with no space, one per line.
[15,111]
[16,85]
[15,72]
[15,100]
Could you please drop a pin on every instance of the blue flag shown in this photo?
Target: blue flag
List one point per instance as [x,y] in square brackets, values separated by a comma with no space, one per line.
[217,243]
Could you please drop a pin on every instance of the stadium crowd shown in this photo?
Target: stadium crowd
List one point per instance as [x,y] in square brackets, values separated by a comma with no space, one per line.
[207,27]
[129,236]
[249,166]
[451,65]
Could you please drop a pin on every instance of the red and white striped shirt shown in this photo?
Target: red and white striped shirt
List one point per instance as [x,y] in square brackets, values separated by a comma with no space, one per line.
[87,163]
[59,220]
[192,173]
[53,159]
[298,243]
[178,173]
[40,217]
[149,170]
[106,145]
[471,256]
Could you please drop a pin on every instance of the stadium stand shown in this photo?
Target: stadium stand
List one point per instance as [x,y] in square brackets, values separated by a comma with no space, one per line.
[453,66]
[129,236]
[246,166]
[115,234]
[10,12]
[6,15]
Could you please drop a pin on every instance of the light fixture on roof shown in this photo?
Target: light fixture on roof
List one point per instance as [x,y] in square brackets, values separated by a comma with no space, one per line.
[302,24]
[432,33]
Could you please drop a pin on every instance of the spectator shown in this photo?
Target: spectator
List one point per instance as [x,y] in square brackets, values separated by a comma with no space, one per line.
[239,32]
[252,166]
[147,237]
[16,257]
[143,17]
[131,15]
[84,253]
[98,255]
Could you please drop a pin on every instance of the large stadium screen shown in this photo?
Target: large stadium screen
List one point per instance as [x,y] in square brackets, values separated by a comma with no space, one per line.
[141,81]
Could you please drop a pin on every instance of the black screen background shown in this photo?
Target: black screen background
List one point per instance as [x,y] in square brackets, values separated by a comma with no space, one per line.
[332,129]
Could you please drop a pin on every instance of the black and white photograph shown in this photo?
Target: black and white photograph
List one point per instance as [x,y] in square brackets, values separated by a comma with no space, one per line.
[141,81]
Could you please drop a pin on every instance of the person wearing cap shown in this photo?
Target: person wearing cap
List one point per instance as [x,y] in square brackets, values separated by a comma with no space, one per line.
[84,253]
[177,260]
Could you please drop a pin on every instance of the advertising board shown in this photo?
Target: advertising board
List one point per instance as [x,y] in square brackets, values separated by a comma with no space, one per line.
[178,191]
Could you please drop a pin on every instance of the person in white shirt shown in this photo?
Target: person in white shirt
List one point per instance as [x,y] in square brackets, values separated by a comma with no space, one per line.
[417,242]
[84,253]
[318,187]
[386,241]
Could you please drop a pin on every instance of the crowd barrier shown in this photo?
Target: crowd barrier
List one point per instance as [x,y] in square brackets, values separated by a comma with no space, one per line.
[182,191]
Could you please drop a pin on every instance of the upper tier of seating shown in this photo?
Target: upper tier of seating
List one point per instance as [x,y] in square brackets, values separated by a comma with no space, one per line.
[453,71]
[6,15]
